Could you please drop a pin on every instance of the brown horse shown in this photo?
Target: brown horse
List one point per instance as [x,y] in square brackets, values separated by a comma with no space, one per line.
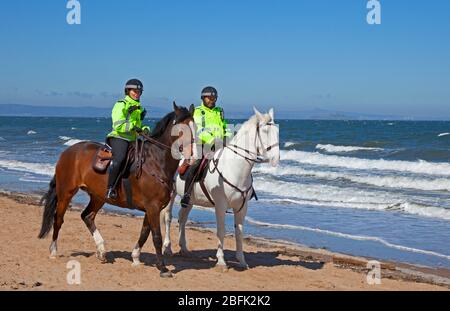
[150,192]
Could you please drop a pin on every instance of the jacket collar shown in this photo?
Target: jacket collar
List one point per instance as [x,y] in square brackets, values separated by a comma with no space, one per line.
[206,107]
[130,100]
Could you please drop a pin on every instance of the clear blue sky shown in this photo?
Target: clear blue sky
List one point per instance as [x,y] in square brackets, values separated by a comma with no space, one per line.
[292,55]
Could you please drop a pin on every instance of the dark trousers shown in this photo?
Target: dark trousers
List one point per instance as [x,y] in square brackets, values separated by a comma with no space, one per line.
[190,175]
[119,154]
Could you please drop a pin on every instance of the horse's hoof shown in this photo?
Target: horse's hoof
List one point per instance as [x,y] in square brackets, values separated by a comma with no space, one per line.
[53,257]
[221,267]
[137,263]
[101,257]
[243,266]
[166,275]
[167,252]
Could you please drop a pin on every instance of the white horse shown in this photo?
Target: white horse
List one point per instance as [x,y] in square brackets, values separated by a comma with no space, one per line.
[228,183]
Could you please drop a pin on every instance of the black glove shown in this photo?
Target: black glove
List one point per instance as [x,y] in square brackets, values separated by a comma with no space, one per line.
[143,114]
[146,131]
[132,109]
[137,129]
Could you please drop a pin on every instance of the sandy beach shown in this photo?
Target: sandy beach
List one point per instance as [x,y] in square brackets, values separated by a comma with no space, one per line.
[25,264]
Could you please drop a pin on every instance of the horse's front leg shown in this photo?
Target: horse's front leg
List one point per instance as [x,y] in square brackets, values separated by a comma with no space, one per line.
[145,232]
[182,220]
[239,218]
[220,218]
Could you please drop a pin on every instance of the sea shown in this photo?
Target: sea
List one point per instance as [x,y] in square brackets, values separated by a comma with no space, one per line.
[378,189]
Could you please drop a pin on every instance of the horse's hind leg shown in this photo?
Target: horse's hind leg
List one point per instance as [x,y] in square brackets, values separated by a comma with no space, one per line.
[166,219]
[155,226]
[64,199]
[88,217]
[145,232]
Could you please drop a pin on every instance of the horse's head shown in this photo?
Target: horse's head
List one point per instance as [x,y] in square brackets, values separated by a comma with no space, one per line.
[182,132]
[267,137]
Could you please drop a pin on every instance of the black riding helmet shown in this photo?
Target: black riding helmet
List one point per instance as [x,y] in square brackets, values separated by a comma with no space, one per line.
[134,84]
[209,91]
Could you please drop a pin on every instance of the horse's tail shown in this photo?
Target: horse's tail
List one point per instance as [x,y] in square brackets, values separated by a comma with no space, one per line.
[49,200]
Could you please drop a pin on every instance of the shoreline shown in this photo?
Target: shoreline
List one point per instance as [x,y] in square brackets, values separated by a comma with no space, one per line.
[309,268]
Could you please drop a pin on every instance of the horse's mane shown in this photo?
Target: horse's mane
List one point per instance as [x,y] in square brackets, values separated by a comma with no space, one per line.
[251,123]
[162,124]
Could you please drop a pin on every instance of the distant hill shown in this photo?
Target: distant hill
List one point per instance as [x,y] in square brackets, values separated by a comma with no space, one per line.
[158,112]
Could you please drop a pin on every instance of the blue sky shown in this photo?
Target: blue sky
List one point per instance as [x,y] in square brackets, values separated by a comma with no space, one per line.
[291,55]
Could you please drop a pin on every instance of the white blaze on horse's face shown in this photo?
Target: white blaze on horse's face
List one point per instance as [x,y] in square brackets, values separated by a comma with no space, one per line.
[183,147]
[193,153]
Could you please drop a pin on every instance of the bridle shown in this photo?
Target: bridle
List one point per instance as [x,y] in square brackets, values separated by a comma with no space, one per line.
[256,159]
[257,156]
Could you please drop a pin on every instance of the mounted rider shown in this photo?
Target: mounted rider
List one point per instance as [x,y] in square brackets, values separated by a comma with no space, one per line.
[127,116]
[211,130]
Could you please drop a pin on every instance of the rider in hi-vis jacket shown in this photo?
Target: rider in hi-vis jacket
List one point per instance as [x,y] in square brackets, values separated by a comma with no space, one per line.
[127,116]
[211,126]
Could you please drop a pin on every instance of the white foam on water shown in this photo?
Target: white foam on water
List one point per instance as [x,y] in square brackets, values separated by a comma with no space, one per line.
[65,137]
[443,134]
[435,184]
[316,158]
[36,168]
[339,149]
[289,144]
[73,128]
[349,236]
[31,132]
[342,197]
[33,180]
[73,142]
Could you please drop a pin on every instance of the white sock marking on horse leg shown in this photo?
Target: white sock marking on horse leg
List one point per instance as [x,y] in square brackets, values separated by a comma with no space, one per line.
[135,254]
[53,249]
[99,241]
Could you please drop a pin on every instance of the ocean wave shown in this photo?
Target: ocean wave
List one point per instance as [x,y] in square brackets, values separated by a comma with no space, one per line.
[443,134]
[65,137]
[438,184]
[73,142]
[37,168]
[341,197]
[348,236]
[31,132]
[34,180]
[2,139]
[417,167]
[73,128]
[338,149]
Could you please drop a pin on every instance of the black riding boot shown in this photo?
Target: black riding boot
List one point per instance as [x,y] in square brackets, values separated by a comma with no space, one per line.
[119,153]
[114,171]
[189,183]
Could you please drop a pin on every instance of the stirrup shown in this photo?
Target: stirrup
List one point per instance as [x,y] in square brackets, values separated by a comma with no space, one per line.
[111,194]
[185,200]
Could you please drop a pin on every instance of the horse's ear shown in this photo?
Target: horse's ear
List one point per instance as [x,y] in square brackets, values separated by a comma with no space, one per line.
[175,107]
[191,109]
[271,114]
[259,116]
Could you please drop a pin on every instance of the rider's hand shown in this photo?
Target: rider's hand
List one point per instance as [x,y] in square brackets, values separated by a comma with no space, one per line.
[146,131]
[143,114]
[132,109]
[137,129]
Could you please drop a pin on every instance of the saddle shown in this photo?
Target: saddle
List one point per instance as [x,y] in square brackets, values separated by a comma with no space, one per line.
[102,159]
[199,168]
